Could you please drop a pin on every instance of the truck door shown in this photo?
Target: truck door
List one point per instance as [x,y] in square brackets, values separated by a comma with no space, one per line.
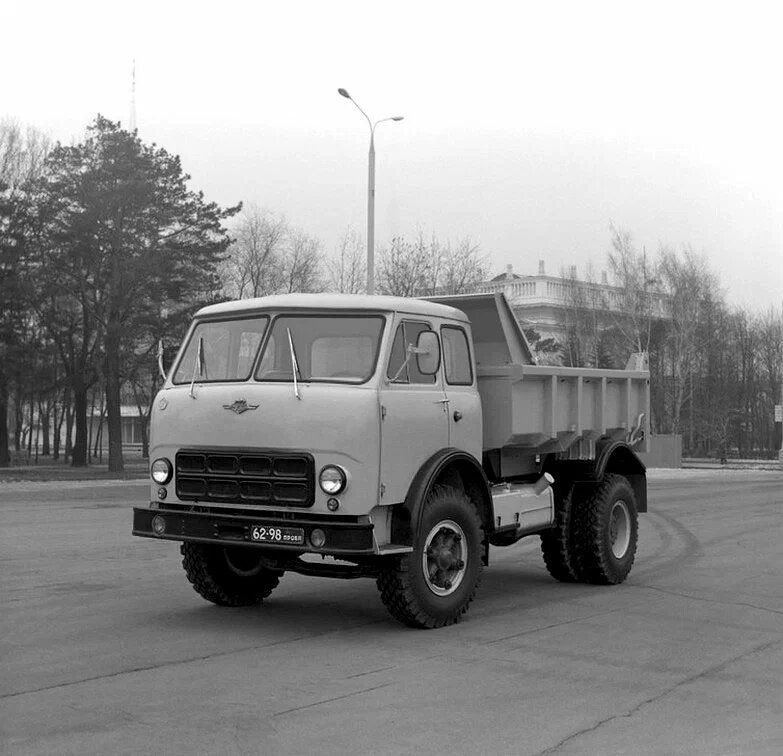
[414,419]
[464,403]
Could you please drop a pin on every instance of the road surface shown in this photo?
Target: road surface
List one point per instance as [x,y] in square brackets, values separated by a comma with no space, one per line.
[107,650]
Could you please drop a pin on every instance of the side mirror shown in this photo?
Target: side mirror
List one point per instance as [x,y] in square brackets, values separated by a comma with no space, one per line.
[427,353]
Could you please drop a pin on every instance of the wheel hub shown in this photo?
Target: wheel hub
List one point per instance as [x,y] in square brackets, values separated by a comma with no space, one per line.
[242,562]
[619,529]
[444,558]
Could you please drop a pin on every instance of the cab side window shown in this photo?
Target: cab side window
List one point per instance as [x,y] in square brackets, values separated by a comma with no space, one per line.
[407,333]
[456,356]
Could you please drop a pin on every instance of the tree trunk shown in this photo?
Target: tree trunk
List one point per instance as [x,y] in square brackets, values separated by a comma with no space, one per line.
[32,424]
[5,452]
[57,425]
[97,449]
[691,423]
[19,418]
[145,441]
[68,423]
[37,437]
[113,380]
[144,416]
[45,417]
[79,419]
[91,426]
[57,417]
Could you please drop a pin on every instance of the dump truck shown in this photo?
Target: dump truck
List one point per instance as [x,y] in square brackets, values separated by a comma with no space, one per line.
[392,438]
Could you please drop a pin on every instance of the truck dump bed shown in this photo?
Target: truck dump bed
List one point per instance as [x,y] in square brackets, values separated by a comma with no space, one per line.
[542,409]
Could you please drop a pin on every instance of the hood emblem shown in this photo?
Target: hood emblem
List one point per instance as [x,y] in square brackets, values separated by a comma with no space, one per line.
[240,406]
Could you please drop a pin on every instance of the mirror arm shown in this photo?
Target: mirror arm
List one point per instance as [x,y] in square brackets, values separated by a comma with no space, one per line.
[160,360]
[410,352]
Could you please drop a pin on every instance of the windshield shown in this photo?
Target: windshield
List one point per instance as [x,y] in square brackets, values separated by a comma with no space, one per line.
[228,350]
[340,348]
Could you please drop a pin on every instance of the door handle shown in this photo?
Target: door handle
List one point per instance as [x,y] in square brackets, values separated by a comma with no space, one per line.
[457,416]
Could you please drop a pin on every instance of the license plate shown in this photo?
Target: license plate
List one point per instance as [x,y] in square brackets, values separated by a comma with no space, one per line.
[274,534]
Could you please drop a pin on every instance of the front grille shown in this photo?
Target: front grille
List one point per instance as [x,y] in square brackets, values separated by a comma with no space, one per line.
[285,479]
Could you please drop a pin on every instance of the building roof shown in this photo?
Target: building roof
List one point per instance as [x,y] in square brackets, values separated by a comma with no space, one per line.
[509,275]
[333,302]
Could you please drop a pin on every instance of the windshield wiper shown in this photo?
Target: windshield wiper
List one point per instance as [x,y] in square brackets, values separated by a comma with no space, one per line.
[199,366]
[294,364]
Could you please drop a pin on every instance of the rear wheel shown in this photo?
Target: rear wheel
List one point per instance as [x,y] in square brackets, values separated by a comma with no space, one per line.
[607,531]
[434,584]
[228,576]
[558,545]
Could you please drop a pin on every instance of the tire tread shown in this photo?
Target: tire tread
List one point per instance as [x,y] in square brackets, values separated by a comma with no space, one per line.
[214,583]
[398,592]
[596,565]
[557,544]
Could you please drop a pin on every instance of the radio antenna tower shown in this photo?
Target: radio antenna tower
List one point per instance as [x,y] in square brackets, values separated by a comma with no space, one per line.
[132,119]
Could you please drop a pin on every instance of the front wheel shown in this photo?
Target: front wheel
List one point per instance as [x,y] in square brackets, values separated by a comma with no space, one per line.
[434,584]
[607,532]
[228,576]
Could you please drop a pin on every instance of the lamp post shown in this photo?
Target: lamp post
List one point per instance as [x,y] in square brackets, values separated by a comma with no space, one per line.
[370,191]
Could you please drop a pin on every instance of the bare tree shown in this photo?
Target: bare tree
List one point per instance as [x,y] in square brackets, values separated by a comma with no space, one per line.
[430,253]
[687,282]
[302,263]
[255,264]
[269,256]
[403,269]
[635,297]
[589,328]
[347,269]
[462,267]
[426,267]
[22,153]
[770,326]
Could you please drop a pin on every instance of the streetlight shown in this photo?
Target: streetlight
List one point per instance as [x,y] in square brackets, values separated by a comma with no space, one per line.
[370,192]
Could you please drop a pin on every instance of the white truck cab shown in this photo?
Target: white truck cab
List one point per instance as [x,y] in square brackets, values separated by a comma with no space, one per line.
[393,438]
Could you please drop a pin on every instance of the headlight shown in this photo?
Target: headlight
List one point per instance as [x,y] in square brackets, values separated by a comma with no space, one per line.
[332,480]
[161,470]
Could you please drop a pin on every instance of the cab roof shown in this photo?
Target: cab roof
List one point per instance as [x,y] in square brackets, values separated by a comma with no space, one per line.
[354,302]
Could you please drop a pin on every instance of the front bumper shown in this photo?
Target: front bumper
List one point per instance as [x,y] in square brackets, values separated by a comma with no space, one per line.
[348,536]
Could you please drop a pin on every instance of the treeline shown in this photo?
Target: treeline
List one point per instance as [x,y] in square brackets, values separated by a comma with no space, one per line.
[715,369]
[270,256]
[106,252]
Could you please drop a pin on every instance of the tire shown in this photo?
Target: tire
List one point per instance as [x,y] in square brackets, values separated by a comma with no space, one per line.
[606,532]
[558,545]
[434,584]
[228,576]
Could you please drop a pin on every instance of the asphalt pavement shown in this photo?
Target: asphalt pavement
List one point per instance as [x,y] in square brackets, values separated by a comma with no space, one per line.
[106,649]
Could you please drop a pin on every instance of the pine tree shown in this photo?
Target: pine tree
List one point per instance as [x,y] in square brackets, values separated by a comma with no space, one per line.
[122,241]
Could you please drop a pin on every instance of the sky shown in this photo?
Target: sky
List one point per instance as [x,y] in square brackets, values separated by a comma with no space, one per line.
[529,128]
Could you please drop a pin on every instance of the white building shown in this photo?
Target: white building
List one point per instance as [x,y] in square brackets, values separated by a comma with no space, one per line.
[548,303]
